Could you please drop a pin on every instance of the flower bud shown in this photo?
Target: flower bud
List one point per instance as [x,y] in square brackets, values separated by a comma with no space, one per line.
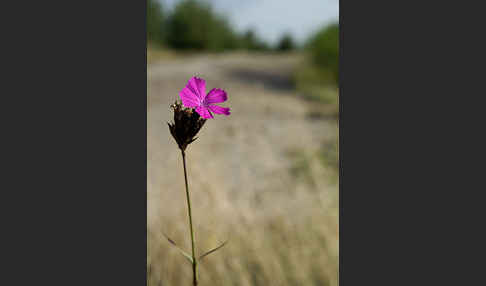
[186,125]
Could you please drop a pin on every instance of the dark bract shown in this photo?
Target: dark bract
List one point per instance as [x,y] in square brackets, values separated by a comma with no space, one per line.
[186,125]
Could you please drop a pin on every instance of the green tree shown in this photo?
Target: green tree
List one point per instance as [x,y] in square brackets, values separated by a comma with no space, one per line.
[222,37]
[286,43]
[194,26]
[324,49]
[189,26]
[250,41]
[155,22]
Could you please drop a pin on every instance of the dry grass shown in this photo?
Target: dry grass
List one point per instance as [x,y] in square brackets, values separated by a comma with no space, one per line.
[265,178]
[155,55]
[284,238]
[316,84]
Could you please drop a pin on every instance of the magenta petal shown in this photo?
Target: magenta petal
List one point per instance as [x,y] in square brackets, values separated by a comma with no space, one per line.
[198,86]
[204,112]
[189,99]
[216,95]
[219,110]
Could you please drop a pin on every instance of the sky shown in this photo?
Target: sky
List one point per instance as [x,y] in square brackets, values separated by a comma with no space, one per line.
[272,18]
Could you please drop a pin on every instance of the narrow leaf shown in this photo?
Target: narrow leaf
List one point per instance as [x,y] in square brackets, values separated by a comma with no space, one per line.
[186,255]
[213,250]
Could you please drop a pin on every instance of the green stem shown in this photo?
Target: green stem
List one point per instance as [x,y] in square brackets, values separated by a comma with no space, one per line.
[194,260]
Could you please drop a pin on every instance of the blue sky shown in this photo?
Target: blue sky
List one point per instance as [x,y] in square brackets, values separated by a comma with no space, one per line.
[272,18]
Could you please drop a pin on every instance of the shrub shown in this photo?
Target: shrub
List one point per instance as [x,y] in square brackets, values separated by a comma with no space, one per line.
[324,49]
[286,43]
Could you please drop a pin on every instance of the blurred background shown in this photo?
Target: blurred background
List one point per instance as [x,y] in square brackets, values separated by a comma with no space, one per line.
[266,177]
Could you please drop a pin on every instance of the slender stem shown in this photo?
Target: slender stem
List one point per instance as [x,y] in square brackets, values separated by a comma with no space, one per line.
[194,260]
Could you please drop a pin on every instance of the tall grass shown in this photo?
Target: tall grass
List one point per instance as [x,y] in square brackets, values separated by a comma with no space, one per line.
[276,237]
[317,78]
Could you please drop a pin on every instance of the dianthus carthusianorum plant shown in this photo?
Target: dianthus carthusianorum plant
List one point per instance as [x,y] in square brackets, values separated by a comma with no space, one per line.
[189,117]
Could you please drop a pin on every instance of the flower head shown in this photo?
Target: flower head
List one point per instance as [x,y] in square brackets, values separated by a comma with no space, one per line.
[194,96]
[187,124]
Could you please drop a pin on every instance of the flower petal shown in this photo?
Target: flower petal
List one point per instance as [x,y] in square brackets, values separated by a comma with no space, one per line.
[216,95]
[219,110]
[204,112]
[189,99]
[198,86]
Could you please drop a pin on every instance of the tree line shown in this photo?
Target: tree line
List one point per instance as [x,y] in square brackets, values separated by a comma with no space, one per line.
[193,25]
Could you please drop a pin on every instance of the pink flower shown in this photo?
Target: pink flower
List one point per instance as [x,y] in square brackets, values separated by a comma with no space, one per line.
[194,96]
